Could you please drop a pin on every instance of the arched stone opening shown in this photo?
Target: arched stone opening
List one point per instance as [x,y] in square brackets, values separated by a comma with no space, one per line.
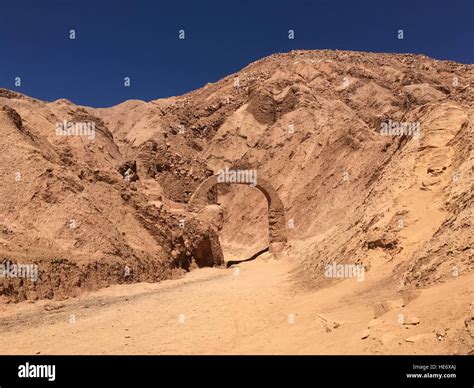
[276,210]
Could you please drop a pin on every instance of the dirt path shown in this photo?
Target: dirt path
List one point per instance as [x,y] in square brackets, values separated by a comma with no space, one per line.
[250,309]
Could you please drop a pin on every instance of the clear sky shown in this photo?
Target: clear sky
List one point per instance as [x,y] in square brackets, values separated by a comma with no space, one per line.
[140,39]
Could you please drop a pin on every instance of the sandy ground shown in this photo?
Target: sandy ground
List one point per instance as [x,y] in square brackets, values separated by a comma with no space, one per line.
[253,308]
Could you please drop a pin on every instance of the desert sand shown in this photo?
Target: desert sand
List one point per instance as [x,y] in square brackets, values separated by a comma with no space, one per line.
[127,266]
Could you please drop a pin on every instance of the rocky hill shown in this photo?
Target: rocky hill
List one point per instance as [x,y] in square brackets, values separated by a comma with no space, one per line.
[371,155]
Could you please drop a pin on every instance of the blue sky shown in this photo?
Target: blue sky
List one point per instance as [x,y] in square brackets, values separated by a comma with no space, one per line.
[139,39]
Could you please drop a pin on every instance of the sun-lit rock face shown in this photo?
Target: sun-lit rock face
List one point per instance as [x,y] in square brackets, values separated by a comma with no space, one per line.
[368,156]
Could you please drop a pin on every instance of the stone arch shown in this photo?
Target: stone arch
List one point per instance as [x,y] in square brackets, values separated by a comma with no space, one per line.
[276,210]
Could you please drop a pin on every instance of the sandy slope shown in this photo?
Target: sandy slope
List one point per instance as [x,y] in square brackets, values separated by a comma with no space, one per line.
[400,206]
[255,309]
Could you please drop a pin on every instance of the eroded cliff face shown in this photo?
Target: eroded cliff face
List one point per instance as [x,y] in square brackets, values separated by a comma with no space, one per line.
[309,122]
